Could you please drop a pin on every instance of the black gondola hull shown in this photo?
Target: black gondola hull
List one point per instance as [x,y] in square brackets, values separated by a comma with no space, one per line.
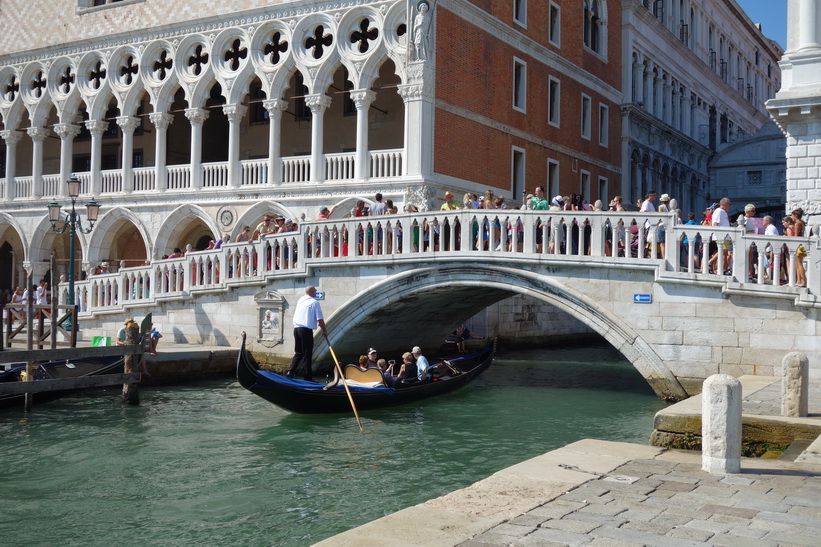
[310,398]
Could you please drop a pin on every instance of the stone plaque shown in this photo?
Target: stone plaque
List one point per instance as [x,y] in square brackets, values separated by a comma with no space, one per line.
[270,306]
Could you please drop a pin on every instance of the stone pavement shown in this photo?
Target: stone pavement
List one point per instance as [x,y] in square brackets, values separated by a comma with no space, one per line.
[607,493]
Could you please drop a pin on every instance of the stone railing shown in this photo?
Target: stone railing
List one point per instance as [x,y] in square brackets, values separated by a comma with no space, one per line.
[254,172]
[754,264]
[23,187]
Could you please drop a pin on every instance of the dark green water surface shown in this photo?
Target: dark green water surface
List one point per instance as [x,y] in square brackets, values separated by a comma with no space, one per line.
[212,464]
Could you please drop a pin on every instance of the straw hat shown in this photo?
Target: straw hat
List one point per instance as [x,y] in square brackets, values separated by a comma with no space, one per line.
[664,198]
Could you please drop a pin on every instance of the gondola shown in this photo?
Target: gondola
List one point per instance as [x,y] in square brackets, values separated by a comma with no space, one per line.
[54,370]
[305,397]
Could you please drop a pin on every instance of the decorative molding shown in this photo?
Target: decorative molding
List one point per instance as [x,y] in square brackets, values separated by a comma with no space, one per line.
[197,116]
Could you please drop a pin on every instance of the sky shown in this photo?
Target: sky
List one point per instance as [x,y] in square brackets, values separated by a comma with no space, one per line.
[772,14]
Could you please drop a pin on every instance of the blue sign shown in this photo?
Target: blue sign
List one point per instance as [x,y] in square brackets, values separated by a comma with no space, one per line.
[642,298]
[320,295]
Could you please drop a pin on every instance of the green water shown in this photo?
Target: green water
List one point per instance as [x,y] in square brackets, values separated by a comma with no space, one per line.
[210,463]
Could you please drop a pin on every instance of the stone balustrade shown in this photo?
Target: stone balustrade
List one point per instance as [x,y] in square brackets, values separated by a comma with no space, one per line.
[753,264]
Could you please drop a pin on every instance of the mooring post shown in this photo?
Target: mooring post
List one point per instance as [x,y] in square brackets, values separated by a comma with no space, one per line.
[131,394]
[795,385]
[721,425]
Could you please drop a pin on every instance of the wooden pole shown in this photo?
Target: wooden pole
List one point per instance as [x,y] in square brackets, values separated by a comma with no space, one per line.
[3,321]
[54,299]
[29,401]
[131,394]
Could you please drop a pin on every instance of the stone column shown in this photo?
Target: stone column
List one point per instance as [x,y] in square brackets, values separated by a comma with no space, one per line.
[418,97]
[658,109]
[12,138]
[721,425]
[318,104]
[638,80]
[667,96]
[96,128]
[362,98]
[275,108]
[197,117]
[795,385]
[809,30]
[161,121]
[234,113]
[128,124]
[67,132]
[648,88]
[38,135]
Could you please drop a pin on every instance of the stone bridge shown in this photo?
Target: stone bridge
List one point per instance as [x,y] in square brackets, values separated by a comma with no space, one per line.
[401,280]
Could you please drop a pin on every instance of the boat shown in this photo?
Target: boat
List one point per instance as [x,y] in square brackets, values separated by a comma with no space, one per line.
[305,397]
[55,370]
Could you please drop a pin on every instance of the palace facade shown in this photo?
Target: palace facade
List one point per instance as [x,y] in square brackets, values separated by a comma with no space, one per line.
[187,121]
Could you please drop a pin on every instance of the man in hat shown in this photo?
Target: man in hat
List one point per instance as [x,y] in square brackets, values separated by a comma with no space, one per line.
[372,360]
[307,317]
[121,332]
[449,205]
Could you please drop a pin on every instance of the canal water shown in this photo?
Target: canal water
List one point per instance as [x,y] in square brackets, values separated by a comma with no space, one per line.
[210,463]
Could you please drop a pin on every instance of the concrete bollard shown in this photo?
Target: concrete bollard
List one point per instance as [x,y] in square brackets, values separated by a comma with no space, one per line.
[721,425]
[795,384]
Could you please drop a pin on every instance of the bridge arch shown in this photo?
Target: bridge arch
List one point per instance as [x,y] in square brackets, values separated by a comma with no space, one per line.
[442,297]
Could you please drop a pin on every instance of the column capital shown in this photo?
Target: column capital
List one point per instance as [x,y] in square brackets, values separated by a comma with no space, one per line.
[161,120]
[275,104]
[197,116]
[67,130]
[411,92]
[11,137]
[362,98]
[38,134]
[128,123]
[317,103]
[234,112]
[96,127]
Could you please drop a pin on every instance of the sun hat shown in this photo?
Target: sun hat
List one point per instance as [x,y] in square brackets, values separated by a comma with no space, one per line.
[664,198]
[449,194]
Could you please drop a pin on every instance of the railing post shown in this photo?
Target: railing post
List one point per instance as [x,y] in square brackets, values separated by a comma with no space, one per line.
[741,252]
[672,244]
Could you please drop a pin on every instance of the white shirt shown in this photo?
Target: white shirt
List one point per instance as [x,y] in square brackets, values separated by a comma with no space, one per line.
[771,230]
[307,313]
[720,218]
[41,296]
[647,206]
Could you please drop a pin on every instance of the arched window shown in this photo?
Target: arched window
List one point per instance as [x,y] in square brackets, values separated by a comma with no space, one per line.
[595,25]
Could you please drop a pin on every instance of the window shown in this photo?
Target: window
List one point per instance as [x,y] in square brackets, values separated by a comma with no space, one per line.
[552,178]
[584,185]
[553,101]
[519,85]
[517,171]
[586,122]
[554,25]
[754,178]
[301,110]
[603,190]
[520,12]
[604,125]
[594,28]
[256,111]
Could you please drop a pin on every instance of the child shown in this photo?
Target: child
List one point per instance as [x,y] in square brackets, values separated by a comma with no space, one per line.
[154,337]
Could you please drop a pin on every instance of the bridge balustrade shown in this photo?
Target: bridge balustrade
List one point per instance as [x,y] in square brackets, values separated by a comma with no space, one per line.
[694,253]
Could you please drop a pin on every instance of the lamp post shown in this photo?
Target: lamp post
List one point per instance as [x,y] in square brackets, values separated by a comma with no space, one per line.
[72,223]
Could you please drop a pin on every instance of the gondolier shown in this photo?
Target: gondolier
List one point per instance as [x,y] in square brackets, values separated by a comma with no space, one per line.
[307,316]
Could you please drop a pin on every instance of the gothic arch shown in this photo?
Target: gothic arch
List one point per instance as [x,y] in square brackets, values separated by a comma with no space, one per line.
[9,220]
[254,214]
[106,229]
[176,223]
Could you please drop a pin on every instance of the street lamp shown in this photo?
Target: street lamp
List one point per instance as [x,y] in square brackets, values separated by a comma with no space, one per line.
[72,223]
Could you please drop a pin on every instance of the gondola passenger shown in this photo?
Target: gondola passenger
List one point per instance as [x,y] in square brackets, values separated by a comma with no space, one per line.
[408,369]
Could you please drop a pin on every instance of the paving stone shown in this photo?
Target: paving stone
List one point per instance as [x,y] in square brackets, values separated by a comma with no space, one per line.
[731,510]
[810,512]
[651,527]
[571,525]
[676,486]
[600,519]
[713,492]
[795,520]
[486,539]
[804,501]
[559,536]
[608,542]
[641,513]
[782,537]
[748,532]
[737,480]
[709,526]
[675,478]
[671,520]
[735,541]
[528,519]
[636,536]
[507,529]
[692,534]
[760,505]
[556,509]
[611,509]
[729,519]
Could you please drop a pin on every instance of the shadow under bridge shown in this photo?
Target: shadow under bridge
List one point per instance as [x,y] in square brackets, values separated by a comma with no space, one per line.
[421,306]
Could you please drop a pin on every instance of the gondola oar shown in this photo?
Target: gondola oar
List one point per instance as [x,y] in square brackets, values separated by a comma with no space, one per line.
[345,383]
